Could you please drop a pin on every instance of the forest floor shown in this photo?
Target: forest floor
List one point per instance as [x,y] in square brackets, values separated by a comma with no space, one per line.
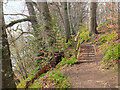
[88,72]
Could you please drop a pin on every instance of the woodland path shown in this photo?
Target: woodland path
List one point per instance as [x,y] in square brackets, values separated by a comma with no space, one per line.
[87,74]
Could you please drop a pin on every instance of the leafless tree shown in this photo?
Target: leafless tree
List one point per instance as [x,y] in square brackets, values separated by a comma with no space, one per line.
[67,23]
[92,19]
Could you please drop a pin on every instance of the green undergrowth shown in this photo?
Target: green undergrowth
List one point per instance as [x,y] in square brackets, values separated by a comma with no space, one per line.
[72,61]
[36,86]
[110,48]
[59,80]
[111,53]
[67,45]
[84,36]
[23,82]
[36,83]
[68,61]
[106,38]
[100,24]
[30,76]
[57,77]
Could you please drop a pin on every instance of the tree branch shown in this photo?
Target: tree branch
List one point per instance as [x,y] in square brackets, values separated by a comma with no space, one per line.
[18,21]
[17,14]
[21,35]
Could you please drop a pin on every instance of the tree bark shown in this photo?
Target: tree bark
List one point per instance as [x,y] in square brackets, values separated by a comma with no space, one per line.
[69,14]
[92,19]
[67,23]
[7,73]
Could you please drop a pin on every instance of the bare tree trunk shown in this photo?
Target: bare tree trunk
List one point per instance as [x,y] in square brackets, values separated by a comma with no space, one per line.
[69,14]
[67,23]
[32,14]
[7,73]
[48,34]
[92,19]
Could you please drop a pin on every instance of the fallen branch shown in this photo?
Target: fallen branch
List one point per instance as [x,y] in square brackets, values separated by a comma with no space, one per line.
[52,63]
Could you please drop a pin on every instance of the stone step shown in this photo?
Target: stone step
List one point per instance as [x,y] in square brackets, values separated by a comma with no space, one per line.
[82,49]
[81,55]
[87,52]
[87,57]
[86,46]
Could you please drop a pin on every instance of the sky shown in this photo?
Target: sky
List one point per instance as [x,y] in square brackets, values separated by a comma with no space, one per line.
[14,7]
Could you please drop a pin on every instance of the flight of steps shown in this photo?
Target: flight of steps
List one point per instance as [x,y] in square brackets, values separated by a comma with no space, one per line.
[87,53]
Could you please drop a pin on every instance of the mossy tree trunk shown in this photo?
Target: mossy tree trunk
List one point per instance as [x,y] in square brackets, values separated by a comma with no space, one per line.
[7,73]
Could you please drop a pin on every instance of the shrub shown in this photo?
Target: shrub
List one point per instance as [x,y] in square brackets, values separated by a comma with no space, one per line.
[84,36]
[112,54]
[108,38]
[71,61]
[67,45]
[103,39]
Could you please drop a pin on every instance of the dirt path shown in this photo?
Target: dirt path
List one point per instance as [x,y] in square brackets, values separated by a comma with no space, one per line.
[86,73]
